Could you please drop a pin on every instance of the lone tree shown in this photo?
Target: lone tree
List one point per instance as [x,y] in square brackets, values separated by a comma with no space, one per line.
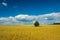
[36,23]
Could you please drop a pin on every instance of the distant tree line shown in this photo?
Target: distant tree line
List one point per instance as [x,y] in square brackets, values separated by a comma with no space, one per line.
[56,23]
[36,24]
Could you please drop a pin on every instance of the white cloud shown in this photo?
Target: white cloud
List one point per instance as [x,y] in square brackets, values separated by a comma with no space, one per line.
[4,3]
[29,19]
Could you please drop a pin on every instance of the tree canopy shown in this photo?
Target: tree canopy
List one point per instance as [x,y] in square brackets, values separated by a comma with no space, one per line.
[36,24]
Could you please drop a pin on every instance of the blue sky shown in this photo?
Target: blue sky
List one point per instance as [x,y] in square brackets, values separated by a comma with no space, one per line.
[17,11]
[30,7]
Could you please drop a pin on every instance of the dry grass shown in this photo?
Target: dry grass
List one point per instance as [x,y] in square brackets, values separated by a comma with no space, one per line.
[24,32]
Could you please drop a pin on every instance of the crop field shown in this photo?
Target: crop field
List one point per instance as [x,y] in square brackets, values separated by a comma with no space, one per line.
[29,32]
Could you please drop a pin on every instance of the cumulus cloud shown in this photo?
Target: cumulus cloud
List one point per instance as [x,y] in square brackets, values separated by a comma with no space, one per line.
[4,3]
[29,19]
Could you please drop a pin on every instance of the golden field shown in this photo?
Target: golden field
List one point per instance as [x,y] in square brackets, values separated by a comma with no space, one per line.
[29,32]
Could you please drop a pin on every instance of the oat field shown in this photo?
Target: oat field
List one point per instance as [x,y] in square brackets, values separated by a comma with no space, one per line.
[29,32]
